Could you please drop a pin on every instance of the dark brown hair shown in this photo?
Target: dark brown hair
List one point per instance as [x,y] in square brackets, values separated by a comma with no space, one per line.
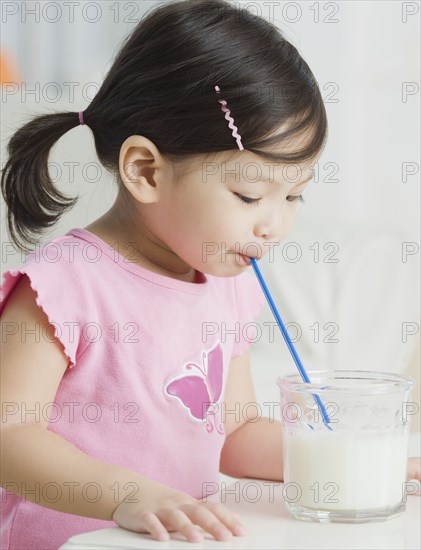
[162,86]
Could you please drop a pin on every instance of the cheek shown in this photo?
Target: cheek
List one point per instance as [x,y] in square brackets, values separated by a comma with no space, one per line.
[288,220]
[211,214]
[222,224]
[207,215]
[189,224]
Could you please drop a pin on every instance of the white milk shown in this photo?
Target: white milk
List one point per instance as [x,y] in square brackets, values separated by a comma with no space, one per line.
[360,470]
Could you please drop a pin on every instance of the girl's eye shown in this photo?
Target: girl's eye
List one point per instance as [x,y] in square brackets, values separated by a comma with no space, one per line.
[247,200]
[292,198]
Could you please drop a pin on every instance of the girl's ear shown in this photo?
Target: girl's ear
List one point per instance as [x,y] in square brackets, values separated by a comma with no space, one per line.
[142,169]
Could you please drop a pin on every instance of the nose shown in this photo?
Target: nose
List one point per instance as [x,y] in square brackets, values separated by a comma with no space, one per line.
[269,228]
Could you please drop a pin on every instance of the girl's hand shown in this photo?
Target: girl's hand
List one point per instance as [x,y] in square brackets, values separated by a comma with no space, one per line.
[414,470]
[170,510]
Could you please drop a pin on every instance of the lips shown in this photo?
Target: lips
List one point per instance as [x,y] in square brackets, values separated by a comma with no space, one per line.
[245,258]
[248,257]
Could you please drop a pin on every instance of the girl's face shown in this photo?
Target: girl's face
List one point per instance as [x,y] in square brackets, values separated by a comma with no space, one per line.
[220,210]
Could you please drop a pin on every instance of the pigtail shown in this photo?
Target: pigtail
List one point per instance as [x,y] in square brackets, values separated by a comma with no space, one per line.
[33,203]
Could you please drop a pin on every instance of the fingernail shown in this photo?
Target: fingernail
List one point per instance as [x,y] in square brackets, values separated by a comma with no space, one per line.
[239,530]
[223,532]
[196,537]
[164,536]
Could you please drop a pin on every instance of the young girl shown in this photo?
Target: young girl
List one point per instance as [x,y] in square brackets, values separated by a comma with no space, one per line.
[120,410]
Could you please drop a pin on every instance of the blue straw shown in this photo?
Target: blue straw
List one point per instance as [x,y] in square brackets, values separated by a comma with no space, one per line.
[287,339]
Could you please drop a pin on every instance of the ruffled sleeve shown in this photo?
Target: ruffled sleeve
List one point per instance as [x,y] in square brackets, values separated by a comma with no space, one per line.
[59,294]
[249,300]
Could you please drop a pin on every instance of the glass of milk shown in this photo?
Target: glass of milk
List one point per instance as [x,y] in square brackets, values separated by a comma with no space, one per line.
[355,472]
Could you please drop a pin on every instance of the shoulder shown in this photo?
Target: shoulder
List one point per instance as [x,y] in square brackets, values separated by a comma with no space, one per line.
[55,269]
[52,287]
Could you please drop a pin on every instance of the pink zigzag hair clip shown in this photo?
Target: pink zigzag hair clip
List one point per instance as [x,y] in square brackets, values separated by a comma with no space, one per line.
[231,124]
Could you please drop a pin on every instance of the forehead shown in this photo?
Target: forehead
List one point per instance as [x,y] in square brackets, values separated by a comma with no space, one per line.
[283,145]
[249,166]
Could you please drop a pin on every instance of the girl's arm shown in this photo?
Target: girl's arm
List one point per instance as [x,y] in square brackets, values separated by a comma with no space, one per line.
[32,456]
[38,465]
[253,444]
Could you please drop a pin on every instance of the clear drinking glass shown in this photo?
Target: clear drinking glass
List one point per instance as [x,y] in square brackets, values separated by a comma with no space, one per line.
[355,472]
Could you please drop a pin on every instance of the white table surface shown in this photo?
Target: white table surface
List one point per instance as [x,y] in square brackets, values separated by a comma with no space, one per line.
[261,507]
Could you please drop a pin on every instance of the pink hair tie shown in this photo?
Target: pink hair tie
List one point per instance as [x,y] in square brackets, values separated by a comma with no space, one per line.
[81,121]
[231,124]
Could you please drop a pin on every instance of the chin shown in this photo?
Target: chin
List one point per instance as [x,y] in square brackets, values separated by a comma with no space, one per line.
[227,269]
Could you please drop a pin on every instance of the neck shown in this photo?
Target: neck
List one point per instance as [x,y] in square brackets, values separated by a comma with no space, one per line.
[123,229]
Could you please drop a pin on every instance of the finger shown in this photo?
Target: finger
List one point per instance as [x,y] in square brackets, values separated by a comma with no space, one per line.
[414,472]
[154,526]
[175,519]
[231,519]
[203,517]
[414,468]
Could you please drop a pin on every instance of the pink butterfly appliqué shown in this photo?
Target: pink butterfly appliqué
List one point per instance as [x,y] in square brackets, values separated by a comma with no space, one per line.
[199,393]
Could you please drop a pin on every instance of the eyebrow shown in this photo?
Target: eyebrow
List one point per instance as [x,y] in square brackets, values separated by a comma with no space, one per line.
[271,180]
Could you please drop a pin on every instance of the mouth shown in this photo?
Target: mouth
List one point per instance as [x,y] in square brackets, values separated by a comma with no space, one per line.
[253,258]
[245,259]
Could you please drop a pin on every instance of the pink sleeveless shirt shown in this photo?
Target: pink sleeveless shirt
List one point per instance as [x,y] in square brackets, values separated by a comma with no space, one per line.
[148,361]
